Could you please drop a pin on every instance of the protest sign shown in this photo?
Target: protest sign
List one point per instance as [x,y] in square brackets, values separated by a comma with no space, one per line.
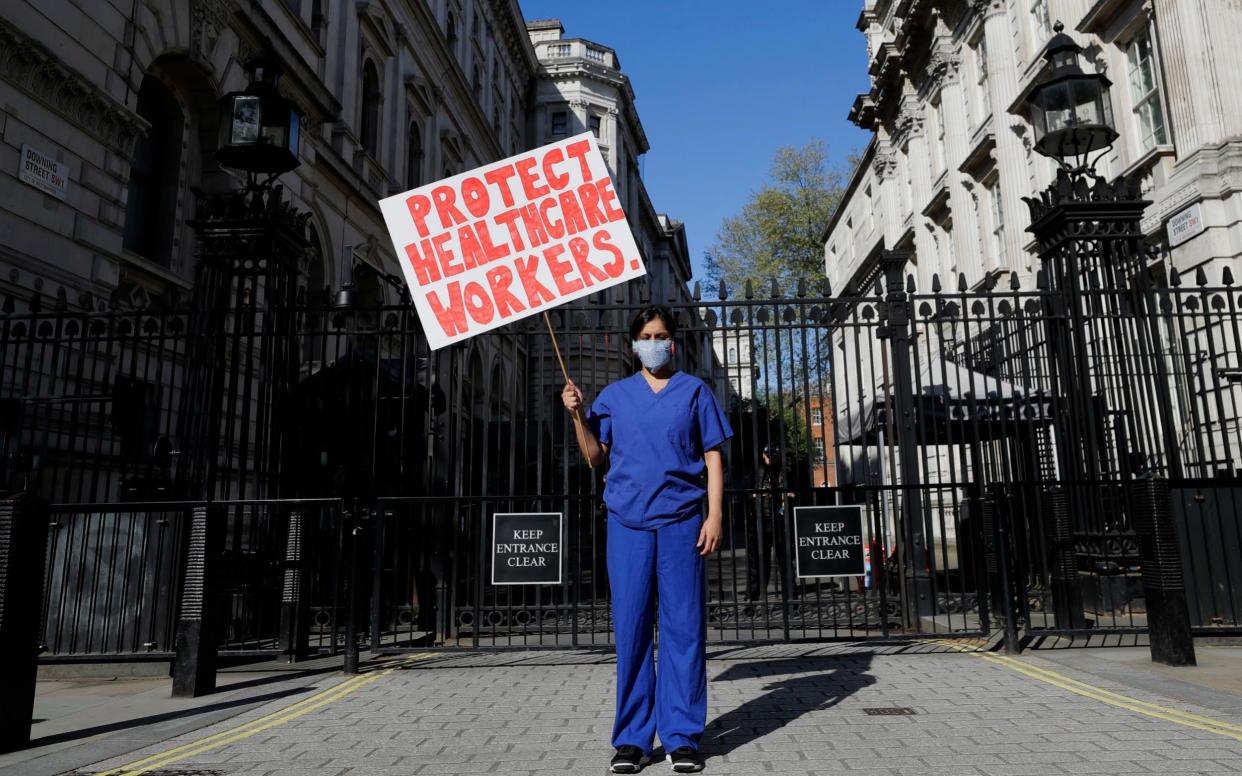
[511,239]
[828,541]
[526,548]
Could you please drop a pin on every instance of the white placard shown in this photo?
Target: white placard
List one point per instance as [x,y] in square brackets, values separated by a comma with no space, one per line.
[511,239]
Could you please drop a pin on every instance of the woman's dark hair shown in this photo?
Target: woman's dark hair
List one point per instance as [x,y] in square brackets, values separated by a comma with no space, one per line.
[649,314]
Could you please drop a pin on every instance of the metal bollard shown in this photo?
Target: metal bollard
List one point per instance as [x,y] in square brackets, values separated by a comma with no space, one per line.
[23,550]
[1168,616]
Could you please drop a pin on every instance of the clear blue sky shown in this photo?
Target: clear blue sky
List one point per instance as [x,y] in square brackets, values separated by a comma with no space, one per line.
[721,84]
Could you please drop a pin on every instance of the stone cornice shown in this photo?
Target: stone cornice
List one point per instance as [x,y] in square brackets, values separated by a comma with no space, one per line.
[33,68]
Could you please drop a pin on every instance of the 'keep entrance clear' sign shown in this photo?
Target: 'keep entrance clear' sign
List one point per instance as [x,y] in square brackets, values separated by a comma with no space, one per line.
[829,541]
[526,548]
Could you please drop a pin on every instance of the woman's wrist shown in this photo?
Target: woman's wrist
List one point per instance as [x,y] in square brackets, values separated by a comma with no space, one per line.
[714,516]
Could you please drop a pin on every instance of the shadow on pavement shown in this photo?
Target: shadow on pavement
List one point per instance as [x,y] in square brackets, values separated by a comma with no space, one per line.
[154,718]
[800,686]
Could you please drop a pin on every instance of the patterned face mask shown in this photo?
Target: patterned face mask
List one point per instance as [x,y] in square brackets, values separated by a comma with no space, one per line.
[653,353]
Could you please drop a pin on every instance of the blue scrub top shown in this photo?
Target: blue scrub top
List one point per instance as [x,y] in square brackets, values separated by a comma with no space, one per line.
[656,473]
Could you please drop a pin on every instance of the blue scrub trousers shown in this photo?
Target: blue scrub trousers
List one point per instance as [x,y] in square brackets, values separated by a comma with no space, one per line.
[672,700]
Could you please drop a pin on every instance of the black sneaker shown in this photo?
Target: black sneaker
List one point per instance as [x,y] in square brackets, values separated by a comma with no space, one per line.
[628,759]
[686,759]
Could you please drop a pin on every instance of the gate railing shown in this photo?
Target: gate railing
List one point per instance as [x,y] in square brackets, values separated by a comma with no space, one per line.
[426,443]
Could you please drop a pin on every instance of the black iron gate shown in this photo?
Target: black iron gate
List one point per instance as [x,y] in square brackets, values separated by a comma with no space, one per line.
[1041,460]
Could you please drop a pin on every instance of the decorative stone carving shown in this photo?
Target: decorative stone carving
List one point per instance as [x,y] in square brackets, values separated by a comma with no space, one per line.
[31,67]
[884,164]
[987,7]
[908,122]
[208,19]
[943,64]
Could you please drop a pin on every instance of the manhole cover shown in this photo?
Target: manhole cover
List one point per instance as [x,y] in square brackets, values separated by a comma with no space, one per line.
[890,711]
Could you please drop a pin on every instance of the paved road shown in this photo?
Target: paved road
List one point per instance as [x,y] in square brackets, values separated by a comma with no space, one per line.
[778,709]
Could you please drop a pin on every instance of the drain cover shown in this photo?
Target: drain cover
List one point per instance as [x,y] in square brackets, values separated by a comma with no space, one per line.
[890,711]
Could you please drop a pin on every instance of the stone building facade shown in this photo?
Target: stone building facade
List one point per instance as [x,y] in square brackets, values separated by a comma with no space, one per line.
[121,100]
[952,155]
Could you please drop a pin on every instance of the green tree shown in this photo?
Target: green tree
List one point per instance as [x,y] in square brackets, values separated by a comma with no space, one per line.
[778,234]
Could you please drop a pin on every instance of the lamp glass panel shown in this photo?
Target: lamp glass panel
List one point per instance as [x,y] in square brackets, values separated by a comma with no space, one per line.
[245,123]
[1058,106]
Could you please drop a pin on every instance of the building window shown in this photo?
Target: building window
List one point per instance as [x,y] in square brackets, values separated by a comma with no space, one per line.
[820,455]
[817,416]
[476,82]
[319,19]
[983,100]
[732,355]
[414,158]
[369,126]
[998,223]
[594,122]
[1041,24]
[1145,92]
[151,204]
[560,122]
[450,29]
[936,116]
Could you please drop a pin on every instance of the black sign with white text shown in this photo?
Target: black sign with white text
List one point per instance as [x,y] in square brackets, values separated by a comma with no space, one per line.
[526,548]
[829,541]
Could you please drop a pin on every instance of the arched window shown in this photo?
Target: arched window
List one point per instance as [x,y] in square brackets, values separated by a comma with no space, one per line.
[414,158]
[151,204]
[370,109]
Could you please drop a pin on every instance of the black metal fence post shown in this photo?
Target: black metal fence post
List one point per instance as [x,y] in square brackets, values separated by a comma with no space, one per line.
[919,592]
[1066,582]
[23,548]
[999,563]
[354,524]
[194,667]
[1168,616]
[293,623]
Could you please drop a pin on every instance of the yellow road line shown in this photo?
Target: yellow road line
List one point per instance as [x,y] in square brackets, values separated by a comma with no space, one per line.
[267,721]
[1186,718]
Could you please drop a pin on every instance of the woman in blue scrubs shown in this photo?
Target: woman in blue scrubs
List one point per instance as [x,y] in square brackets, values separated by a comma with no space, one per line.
[660,430]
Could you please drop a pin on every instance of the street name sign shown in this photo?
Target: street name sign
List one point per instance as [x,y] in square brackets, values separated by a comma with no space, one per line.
[828,541]
[527,548]
[1186,225]
[43,172]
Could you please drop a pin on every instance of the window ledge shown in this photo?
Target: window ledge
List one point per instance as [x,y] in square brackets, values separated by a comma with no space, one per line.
[158,270]
[1148,160]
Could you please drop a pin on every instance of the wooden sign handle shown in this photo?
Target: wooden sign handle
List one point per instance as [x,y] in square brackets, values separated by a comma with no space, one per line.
[578,412]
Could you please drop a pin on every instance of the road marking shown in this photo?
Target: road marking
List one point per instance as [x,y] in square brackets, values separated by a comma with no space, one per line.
[1186,718]
[267,721]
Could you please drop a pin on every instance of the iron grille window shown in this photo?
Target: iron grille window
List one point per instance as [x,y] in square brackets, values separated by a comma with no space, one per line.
[1145,91]
[595,124]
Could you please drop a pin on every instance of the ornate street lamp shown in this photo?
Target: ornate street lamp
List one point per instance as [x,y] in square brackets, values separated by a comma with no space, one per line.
[1071,110]
[259,127]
